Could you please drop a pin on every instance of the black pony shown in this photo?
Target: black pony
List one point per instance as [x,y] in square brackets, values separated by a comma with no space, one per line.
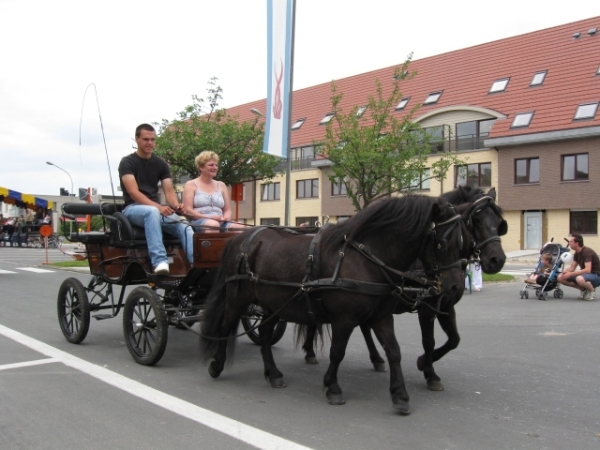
[485,224]
[349,274]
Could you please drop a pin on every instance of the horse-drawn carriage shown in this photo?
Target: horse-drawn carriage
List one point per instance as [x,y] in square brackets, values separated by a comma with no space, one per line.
[118,259]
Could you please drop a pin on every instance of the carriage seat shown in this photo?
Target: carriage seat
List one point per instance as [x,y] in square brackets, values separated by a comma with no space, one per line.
[126,234]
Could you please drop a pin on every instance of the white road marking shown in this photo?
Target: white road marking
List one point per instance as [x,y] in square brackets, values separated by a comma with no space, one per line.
[237,430]
[29,363]
[6,271]
[35,269]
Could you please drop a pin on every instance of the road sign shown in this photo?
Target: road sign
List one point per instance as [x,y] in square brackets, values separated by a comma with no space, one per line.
[46,230]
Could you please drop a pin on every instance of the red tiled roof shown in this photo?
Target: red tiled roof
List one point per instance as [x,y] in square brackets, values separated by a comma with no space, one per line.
[465,77]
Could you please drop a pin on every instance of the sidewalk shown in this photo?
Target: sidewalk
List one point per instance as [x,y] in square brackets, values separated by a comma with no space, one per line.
[523,256]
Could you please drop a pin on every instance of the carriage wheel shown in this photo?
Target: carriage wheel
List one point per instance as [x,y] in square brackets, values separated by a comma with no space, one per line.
[526,294]
[73,310]
[145,326]
[558,293]
[522,293]
[254,317]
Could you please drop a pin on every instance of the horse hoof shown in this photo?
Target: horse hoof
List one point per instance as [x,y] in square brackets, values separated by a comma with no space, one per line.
[435,385]
[311,360]
[213,371]
[402,407]
[335,399]
[277,383]
[379,367]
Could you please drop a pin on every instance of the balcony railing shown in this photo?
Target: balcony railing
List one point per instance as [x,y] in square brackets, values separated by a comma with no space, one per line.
[467,142]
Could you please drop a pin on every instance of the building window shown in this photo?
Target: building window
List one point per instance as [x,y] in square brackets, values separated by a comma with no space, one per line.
[522,120]
[527,171]
[270,221]
[583,222]
[298,123]
[436,138]
[306,221]
[575,167]
[270,192]
[327,118]
[475,175]
[307,188]
[421,181]
[538,78]
[360,111]
[470,135]
[587,111]
[433,98]
[499,85]
[338,187]
[402,103]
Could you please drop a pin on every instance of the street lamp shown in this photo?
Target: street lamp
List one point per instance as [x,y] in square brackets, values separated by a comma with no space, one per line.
[70,193]
[257,112]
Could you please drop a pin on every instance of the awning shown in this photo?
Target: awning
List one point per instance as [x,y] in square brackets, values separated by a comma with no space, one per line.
[23,200]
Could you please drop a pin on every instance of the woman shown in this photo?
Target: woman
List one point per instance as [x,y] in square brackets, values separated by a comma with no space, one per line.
[205,200]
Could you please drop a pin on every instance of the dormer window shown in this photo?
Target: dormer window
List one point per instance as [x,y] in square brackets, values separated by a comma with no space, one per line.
[402,103]
[538,78]
[433,98]
[522,120]
[587,111]
[499,85]
[298,123]
[360,111]
[327,118]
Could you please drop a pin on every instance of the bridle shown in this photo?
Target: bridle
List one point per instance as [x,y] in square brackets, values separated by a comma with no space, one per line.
[476,207]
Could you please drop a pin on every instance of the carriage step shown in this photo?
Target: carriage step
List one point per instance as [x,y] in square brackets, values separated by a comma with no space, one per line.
[103,316]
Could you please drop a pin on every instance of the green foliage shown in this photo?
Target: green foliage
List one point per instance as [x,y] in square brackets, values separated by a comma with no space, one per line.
[377,153]
[238,144]
[496,277]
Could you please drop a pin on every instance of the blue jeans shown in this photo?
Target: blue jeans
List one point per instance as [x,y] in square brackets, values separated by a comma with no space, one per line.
[593,278]
[149,218]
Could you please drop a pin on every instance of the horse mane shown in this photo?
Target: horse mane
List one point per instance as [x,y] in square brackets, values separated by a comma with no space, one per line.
[466,194]
[409,215]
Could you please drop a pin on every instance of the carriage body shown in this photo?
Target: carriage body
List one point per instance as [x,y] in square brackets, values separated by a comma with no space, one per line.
[118,259]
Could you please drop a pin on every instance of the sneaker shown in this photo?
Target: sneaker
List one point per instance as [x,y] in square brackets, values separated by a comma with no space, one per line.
[589,295]
[162,269]
[582,294]
[529,281]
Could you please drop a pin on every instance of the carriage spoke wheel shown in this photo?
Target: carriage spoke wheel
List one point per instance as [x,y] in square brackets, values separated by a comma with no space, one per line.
[254,317]
[145,326]
[73,310]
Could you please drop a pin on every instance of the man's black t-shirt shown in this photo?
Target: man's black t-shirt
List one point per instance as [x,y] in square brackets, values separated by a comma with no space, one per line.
[586,254]
[147,173]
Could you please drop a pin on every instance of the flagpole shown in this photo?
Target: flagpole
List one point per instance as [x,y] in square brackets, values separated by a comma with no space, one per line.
[288,169]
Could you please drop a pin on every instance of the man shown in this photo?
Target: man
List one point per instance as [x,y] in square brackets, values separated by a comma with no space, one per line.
[140,174]
[587,278]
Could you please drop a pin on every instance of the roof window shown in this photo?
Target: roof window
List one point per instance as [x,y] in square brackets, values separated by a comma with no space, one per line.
[433,98]
[538,78]
[522,120]
[327,118]
[587,111]
[298,123]
[499,85]
[404,102]
[360,111]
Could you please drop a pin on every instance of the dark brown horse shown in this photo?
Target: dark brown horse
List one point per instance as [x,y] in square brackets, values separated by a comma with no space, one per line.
[485,223]
[352,274]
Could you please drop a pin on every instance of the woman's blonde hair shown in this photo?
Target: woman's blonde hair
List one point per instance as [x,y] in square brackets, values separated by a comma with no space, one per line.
[205,157]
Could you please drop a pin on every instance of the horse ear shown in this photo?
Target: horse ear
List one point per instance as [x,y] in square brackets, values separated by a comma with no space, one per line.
[436,210]
[503,228]
[492,193]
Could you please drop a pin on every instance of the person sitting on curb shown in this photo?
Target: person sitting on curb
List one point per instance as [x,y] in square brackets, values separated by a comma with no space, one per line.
[587,278]
[541,275]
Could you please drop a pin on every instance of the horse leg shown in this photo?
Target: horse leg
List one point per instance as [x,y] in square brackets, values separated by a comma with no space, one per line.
[448,324]
[272,373]
[384,331]
[425,361]
[309,345]
[229,324]
[340,335]
[374,356]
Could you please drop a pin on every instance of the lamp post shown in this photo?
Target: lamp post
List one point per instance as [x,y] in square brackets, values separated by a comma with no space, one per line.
[70,193]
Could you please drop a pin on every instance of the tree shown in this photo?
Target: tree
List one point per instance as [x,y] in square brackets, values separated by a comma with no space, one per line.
[238,144]
[376,154]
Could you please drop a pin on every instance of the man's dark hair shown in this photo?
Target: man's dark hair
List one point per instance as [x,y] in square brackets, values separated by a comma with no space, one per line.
[144,126]
[577,238]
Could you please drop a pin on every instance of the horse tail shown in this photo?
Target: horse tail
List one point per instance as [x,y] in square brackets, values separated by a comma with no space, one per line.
[214,313]
[313,332]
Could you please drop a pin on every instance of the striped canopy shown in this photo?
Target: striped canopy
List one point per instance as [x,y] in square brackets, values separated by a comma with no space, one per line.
[23,200]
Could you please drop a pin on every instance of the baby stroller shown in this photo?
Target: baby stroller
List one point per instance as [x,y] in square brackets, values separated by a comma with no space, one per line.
[550,284]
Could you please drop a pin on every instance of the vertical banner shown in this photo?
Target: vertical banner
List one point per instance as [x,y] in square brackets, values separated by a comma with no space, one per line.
[280,46]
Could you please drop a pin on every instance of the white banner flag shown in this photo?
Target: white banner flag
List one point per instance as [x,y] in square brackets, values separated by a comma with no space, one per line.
[280,34]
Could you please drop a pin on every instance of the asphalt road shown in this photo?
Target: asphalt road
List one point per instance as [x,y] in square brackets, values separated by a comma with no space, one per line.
[525,376]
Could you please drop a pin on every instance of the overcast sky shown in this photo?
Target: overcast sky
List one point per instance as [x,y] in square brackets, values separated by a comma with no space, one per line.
[147,58]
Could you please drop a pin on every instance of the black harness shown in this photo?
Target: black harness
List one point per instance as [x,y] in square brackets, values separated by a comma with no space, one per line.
[476,207]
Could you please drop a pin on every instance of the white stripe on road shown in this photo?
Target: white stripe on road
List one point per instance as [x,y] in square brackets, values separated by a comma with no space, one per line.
[237,430]
[29,363]
[35,269]
[6,271]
